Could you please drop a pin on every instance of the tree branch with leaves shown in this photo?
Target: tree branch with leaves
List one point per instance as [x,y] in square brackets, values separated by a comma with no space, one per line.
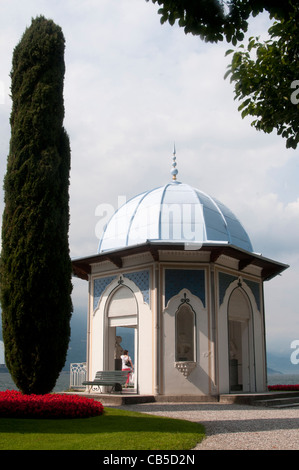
[264,76]
[218,20]
[264,73]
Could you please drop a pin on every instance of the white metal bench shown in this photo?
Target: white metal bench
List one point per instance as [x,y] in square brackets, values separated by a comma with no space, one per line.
[112,378]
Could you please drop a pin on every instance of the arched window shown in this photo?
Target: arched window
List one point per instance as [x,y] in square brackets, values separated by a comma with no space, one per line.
[122,309]
[185,334]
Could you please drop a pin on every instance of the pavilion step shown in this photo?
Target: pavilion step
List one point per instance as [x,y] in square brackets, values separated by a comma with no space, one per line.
[268,399]
[283,402]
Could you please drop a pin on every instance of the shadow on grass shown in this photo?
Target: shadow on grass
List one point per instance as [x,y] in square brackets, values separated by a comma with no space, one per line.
[112,421]
[114,430]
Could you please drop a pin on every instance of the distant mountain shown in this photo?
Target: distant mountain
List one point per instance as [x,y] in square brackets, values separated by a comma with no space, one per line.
[273,372]
[77,346]
[3,368]
[127,335]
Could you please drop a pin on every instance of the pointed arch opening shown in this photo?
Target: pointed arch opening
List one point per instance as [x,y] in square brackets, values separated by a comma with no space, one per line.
[122,329]
[240,337]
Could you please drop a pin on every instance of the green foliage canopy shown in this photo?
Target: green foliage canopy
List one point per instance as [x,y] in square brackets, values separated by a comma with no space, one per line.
[264,74]
[215,20]
[265,78]
[35,265]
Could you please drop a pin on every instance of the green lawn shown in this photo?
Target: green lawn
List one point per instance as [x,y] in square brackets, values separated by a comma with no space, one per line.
[114,430]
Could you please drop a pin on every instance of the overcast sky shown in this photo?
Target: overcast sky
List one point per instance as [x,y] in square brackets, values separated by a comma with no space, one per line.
[132,88]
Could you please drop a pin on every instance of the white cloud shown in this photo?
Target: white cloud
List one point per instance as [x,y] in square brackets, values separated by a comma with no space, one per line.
[282,309]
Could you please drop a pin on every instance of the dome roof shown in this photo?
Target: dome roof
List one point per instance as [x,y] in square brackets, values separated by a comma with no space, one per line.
[173,213]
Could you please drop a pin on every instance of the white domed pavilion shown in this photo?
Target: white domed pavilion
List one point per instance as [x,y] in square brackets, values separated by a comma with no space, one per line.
[177,267]
[173,213]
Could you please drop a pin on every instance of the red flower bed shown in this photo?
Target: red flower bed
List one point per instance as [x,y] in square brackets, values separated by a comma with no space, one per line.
[284,388]
[14,404]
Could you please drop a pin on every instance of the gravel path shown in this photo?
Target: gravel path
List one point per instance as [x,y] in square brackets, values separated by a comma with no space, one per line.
[235,427]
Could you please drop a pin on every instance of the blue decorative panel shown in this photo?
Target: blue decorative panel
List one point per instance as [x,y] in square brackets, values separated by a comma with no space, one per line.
[224,281]
[141,279]
[191,279]
[99,286]
[255,289]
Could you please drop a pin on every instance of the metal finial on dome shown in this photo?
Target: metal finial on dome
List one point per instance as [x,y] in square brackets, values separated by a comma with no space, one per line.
[174,171]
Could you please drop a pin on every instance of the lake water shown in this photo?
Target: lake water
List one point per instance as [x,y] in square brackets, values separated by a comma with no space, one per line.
[283,379]
[63,381]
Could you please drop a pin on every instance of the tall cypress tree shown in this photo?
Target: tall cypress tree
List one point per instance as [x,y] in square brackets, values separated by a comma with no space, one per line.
[35,263]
